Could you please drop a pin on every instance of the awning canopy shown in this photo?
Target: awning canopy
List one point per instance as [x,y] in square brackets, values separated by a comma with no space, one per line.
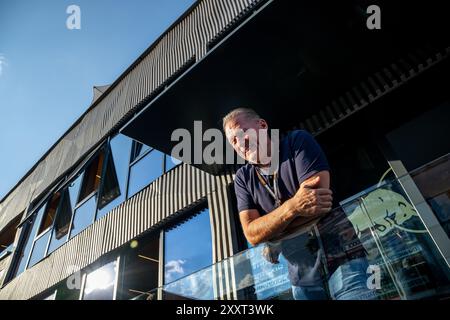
[285,61]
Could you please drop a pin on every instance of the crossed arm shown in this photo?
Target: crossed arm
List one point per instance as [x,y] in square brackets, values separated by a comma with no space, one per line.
[313,199]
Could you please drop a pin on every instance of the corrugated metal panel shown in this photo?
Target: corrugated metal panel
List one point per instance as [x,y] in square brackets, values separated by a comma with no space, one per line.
[223,237]
[121,225]
[4,264]
[185,40]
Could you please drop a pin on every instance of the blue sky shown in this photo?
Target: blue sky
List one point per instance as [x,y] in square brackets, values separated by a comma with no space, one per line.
[47,71]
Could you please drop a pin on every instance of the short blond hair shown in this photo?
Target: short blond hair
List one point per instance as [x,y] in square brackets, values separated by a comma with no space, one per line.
[249,113]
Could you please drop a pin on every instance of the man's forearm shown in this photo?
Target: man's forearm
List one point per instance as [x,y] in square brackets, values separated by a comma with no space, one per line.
[296,211]
[266,227]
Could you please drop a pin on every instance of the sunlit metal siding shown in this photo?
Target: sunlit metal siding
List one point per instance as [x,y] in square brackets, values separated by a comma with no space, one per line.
[128,221]
[162,200]
[187,39]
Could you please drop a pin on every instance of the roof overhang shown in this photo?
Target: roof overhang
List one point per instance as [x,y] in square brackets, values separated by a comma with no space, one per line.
[285,61]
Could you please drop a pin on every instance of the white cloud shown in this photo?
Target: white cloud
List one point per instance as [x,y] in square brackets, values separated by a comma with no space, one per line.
[2,63]
[198,285]
[174,267]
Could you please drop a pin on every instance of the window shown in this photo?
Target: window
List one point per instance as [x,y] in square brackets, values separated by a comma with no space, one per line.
[434,182]
[145,171]
[27,231]
[141,268]
[65,293]
[62,222]
[44,232]
[113,191]
[67,289]
[101,284]
[139,149]
[74,190]
[91,177]
[7,237]
[52,296]
[171,163]
[83,216]
[86,205]
[50,213]
[39,249]
[187,247]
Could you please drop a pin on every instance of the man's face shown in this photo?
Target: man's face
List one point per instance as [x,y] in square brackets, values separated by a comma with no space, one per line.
[248,137]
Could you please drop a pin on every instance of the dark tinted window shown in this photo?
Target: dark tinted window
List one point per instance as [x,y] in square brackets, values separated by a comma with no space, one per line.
[141,270]
[62,222]
[50,212]
[115,178]
[91,177]
[7,236]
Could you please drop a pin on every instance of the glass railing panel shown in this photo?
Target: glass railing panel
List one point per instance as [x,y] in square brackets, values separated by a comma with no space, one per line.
[399,243]
[374,246]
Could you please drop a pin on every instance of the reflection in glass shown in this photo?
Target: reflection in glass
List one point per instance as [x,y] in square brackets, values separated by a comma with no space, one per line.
[39,248]
[115,179]
[31,230]
[392,232]
[197,286]
[100,284]
[433,182]
[64,293]
[145,171]
[441,206]
[62,223]
[374,246]
[187,248]
[138,150]
[74,189]
[171,162]
[83,216]
[141,267]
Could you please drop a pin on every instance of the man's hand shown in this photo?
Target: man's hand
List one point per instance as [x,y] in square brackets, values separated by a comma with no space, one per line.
[271,254]
[311,200]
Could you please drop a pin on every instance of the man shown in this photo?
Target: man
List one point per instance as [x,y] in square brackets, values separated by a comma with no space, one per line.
[273,202]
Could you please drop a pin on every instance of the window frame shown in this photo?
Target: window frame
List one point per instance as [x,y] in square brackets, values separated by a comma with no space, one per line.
[138,159]
[31,213]
[109,153]
[96,267]
[6,251]
[183,218]
[38,235]
[104,147]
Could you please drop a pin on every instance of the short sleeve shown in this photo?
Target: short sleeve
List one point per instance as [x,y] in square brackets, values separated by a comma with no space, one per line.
[243,196]
[308,155]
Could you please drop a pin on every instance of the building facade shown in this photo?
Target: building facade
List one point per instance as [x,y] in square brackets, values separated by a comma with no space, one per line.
[107,213]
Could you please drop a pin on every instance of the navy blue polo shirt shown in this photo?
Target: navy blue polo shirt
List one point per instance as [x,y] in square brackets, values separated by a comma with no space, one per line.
[300,158]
